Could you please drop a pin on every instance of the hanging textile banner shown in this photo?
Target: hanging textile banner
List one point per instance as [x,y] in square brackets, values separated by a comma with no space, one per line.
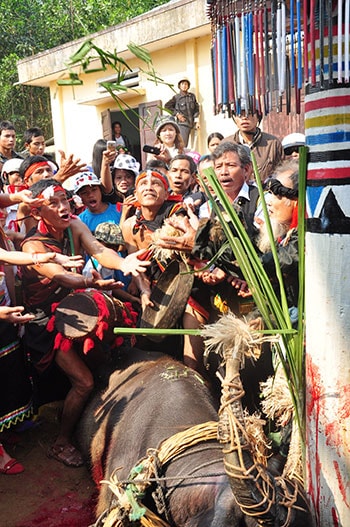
[270,50]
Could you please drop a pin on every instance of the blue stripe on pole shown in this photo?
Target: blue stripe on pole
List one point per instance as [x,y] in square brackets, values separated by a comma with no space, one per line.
[219,66]
[332,137]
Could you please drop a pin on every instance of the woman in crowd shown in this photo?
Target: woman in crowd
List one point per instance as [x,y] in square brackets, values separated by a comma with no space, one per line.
[169,140]
[213,140]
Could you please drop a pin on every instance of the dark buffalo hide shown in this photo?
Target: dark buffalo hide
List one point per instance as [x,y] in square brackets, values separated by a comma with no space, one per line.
[145,403]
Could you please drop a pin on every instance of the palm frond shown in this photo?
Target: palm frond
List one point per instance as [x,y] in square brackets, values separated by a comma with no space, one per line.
[274,311]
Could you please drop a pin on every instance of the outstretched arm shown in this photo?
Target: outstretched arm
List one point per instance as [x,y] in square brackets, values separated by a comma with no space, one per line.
[69,167]
[14,314]
[37,258]
[55,270]
[108,157]
[107,257]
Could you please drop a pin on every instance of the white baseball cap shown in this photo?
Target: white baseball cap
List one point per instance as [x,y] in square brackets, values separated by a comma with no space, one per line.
[12,165]
[295,139]
[85,179]
[127,162]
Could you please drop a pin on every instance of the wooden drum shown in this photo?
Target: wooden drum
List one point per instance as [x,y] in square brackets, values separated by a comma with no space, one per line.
[89,313]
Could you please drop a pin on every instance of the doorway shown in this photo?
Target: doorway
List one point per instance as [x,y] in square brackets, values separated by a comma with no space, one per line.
[137,125]
[129,120]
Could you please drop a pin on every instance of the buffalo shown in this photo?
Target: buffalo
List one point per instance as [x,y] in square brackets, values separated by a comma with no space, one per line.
[149,398]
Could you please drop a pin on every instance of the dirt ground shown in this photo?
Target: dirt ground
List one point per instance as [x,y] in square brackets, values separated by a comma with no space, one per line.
[47,493]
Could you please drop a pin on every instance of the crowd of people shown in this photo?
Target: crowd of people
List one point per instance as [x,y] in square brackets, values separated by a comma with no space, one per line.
[114,227]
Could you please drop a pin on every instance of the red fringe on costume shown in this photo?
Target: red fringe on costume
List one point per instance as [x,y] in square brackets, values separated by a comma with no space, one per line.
[128,315]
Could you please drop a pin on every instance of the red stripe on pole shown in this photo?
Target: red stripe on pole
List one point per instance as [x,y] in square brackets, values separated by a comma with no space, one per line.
[328,102]
[328,173]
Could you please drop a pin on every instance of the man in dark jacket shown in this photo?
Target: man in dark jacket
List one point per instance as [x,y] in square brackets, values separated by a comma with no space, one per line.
[185,108]
[267,148]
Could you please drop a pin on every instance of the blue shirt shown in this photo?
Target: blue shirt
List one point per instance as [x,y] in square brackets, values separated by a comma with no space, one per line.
[110,215]
[92,219]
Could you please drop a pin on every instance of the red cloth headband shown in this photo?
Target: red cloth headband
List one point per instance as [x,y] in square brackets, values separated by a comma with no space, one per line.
[50,191]
[153,173]
[32,168]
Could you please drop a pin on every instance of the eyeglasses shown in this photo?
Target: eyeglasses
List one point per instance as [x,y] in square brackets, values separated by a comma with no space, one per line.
[291,150]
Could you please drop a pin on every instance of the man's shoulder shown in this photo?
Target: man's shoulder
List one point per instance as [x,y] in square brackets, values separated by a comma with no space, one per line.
[14,155]
[253,191]
[233,138]
[128,223]
[77,224]
[269,138]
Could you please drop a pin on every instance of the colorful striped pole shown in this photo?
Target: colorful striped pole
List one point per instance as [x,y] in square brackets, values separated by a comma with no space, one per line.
[327,294]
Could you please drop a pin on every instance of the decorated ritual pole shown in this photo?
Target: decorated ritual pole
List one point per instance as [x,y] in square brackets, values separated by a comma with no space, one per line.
[303,47]
[327,279]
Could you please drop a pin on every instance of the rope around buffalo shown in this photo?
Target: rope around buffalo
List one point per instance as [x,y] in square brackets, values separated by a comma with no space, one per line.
[129,493]
[129,506]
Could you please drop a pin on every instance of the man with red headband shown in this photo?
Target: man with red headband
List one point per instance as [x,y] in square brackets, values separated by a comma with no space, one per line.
[45,285]
[35,168]
[155,207]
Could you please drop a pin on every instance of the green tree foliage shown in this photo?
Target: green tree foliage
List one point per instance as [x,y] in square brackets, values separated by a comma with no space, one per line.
[32,26]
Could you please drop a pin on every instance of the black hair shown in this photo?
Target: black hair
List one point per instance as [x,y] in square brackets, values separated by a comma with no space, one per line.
[156,163]
[28,161]
[38,187]
[193,166]
[227,146]
[250,107]
[99,147]
[213,135]
[6,125]
[116,122]
[31,133]
[204,159]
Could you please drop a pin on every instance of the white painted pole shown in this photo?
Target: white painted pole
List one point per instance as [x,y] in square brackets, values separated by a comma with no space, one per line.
[327,296]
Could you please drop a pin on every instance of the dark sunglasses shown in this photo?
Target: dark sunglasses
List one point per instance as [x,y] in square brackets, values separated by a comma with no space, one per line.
[274,186]
[290,150]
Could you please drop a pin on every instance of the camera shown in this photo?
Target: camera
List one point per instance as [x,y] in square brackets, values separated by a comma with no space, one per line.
[111,145]
[151,150]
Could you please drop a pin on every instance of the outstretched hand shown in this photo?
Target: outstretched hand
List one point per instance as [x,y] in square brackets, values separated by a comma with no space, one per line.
[26,196]
[133,265]
[100,283]
[69,167]
[212,276]
[240,285]
[14,315]
[69,262]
